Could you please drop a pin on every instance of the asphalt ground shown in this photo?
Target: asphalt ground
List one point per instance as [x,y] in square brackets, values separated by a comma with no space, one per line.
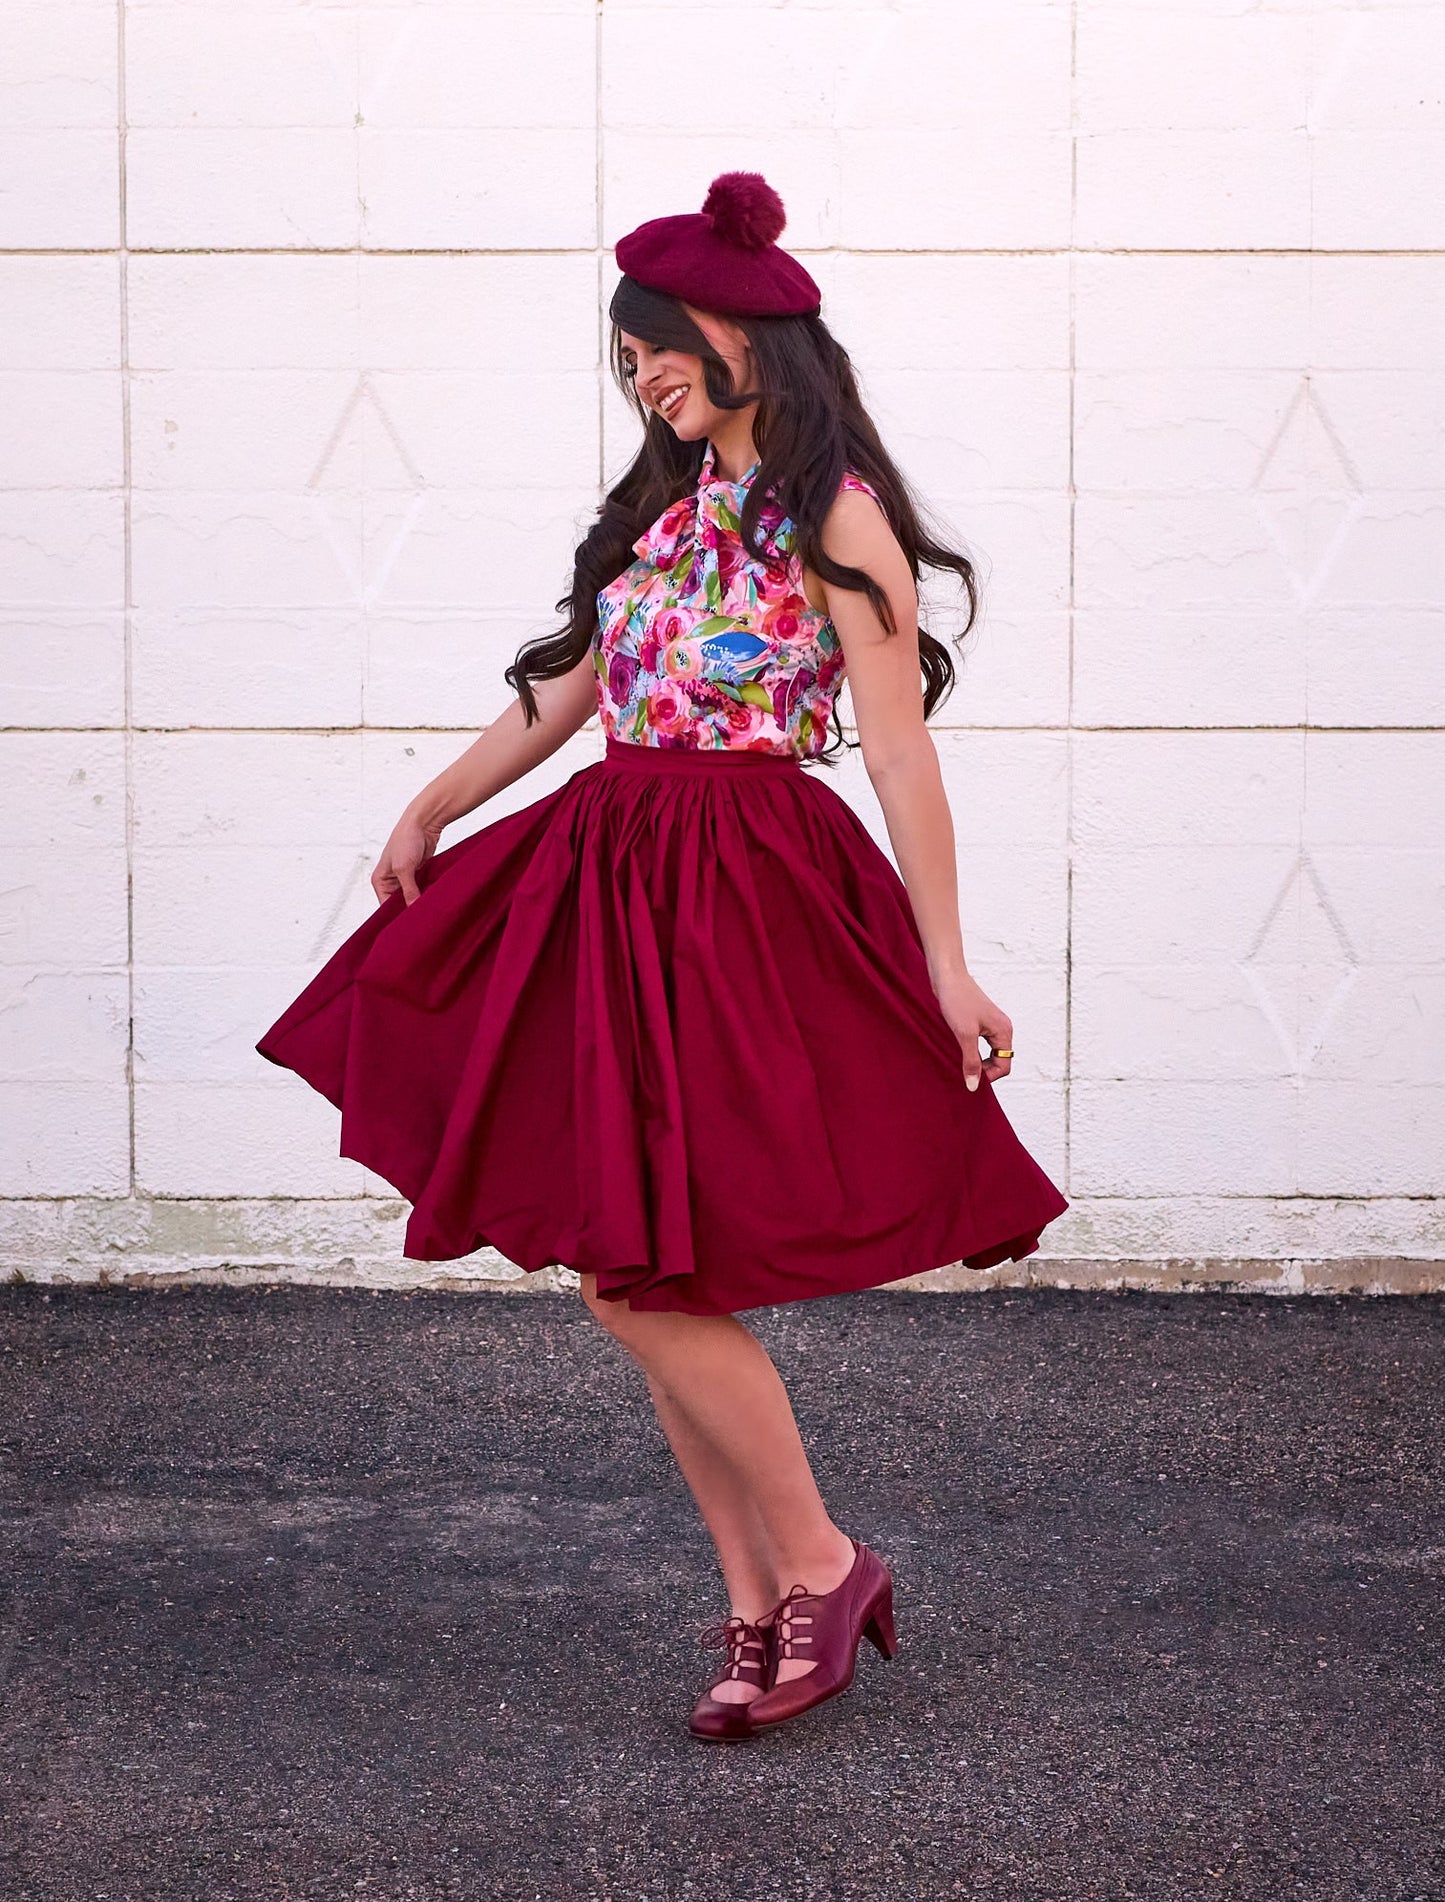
[325,1593]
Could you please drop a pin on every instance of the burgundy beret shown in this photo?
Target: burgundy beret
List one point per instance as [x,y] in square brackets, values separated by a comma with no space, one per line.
[724,257]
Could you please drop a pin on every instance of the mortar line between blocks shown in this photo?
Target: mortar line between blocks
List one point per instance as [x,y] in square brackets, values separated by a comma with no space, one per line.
[599,156]
[1067,1083]
[128,586]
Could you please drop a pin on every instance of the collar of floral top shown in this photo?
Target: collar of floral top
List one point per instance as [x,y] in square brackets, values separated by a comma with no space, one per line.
[707,479]
[694,522]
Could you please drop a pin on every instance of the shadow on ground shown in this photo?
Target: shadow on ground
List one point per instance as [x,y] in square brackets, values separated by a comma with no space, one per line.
[318,1593]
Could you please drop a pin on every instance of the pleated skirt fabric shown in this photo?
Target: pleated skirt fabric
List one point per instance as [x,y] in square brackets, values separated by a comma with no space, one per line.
[670,1025]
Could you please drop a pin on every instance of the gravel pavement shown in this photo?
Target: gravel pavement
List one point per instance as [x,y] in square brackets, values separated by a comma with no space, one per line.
[318,1593]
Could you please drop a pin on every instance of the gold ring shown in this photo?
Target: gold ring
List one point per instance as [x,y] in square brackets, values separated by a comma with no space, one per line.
[1000,1053]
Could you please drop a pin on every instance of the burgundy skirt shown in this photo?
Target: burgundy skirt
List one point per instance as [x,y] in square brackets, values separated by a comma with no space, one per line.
[670,1025]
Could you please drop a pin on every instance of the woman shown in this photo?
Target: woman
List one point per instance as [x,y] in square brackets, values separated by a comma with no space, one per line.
[679,1024]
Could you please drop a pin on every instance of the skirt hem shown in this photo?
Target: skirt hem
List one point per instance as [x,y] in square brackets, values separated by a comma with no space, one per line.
[649,1288]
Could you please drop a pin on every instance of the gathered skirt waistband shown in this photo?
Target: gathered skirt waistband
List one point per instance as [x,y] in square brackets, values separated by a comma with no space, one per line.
[632,756]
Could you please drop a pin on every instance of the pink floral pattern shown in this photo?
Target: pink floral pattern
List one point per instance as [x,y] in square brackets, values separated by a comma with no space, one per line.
[698,644]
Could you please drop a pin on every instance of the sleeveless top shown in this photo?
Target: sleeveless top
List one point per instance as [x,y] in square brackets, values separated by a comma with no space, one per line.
[700,644]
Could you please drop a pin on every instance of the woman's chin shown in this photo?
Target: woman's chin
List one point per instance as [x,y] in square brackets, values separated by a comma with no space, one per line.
[687,428]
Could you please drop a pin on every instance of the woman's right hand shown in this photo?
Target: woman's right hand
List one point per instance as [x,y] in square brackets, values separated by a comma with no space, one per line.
[413,840]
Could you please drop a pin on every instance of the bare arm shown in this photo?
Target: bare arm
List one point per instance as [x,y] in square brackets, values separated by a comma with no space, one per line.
[902,764]
[509,748]
[494,760]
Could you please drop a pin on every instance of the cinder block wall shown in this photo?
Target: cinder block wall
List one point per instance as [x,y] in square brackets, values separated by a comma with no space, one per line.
[304,408]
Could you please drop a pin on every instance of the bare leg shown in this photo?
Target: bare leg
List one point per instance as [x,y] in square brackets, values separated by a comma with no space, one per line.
[729,1510]
[738,1411]
[731,1516]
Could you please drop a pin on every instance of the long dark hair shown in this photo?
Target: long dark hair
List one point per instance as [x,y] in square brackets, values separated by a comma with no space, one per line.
[809,425]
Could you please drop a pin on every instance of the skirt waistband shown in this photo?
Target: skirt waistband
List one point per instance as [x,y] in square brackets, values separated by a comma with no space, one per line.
[633,756]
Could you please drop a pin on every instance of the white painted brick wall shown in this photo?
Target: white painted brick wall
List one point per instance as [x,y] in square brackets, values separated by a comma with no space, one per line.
[303,409]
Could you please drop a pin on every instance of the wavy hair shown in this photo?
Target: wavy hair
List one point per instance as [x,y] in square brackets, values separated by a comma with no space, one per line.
[809,425]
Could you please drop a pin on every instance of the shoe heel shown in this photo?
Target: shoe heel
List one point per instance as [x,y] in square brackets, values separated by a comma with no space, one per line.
[879,1629]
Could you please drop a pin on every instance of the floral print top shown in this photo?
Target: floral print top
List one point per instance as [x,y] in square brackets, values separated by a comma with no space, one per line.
[699,644]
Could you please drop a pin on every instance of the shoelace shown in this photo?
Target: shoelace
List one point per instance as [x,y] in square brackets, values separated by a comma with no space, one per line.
[734,1635]
[787,1620]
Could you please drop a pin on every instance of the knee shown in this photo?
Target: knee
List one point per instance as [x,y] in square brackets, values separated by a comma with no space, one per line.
[615,1316]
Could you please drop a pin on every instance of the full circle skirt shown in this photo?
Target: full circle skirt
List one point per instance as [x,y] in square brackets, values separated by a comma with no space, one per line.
[670,1025]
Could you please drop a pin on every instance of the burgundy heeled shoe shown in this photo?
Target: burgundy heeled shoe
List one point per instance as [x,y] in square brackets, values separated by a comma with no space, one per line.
[716,1719]
[827,1627]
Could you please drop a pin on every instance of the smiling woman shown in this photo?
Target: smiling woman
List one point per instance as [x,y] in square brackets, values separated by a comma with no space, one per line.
[755,382]
[680,1025]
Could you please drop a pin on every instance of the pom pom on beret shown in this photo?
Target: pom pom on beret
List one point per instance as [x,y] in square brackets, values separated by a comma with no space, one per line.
[745,210]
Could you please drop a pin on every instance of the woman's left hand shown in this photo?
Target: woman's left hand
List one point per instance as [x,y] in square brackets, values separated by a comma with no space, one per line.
[971,1014]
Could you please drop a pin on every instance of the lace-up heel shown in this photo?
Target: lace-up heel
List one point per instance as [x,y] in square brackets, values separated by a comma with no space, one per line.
[750,1658]
[827,1628]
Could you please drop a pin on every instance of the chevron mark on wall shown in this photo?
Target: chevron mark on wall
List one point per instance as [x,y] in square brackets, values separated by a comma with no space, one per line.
[1301,966]
[1305,491]
[365,492]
